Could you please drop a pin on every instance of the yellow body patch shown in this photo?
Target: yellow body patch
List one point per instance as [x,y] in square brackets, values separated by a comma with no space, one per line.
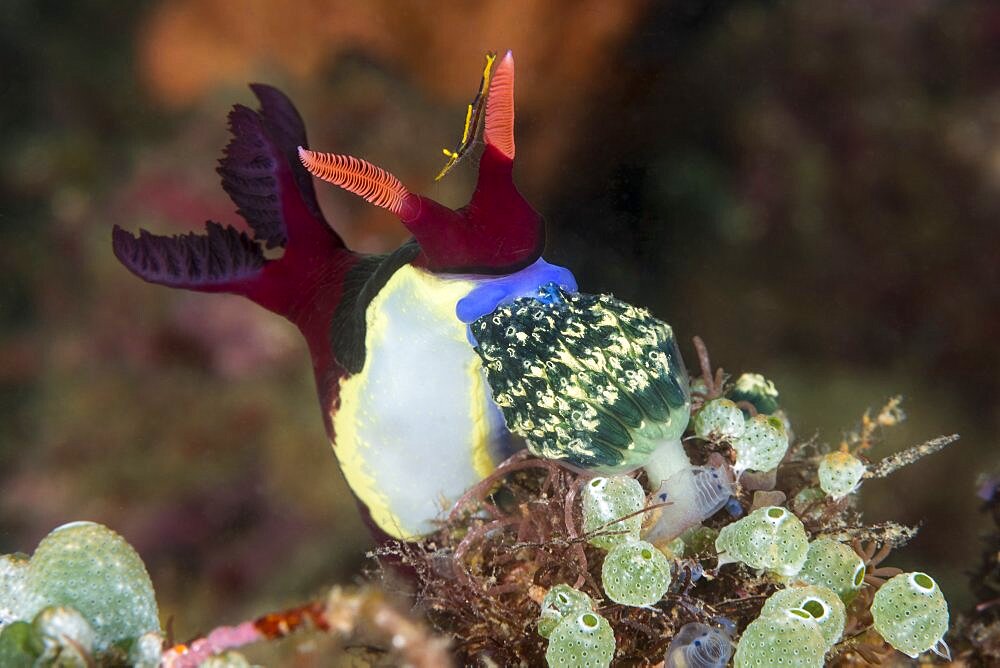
[416,426]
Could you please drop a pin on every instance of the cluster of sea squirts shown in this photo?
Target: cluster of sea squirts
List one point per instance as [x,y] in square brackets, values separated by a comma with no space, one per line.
[801,623]
[85,594]
[83,598]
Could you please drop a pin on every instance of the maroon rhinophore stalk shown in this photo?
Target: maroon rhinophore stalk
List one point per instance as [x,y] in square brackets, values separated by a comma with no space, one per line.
[497,232]
[261,172]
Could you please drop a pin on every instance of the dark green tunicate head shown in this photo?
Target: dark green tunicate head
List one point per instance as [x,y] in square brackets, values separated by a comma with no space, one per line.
[584,378]
[756,390]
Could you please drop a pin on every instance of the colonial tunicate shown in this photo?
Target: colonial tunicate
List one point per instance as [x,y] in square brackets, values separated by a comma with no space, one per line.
[606,500]
[785,638]
[67,638]
[763,444]
[561,602]
[911,614]
[769,538]
[808,502]
[230,659]
[719,419]
[757,390]
[583,641]
[90,568]
[840,474]
[820,602]
[635,574]
[147,651]
[832,564]
[13,593]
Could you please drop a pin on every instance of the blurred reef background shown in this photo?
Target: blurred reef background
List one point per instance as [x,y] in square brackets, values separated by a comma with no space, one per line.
[812,187]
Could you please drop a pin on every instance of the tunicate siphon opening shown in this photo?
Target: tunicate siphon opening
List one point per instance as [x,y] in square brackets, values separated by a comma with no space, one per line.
[815,608]
[776,513]
[923,581]
[589,620]
[859,575]
[646,554]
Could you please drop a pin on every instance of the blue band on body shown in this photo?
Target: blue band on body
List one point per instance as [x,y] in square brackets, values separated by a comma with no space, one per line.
[529,282]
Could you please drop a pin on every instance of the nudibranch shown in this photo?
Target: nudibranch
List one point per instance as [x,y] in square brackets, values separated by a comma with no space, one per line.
[412,350]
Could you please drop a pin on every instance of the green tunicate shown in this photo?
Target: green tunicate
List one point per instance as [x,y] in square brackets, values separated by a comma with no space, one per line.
[606,500]
[15,599]
[146,651]
[806,497]
[784,638]
[834,565]
[20,645]
[769,538]
[699,540]
[763,444]
[698,385]
[562,602]
[584,641]
[911,614]
[674,549]
[756,390]
[820,602]
[635,574]
[88,567]
[840,473]
[719,420]
[587,379]
[68,639]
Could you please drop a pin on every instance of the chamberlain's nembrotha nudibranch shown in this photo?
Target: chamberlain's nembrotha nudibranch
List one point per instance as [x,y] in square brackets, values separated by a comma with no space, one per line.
[406,347]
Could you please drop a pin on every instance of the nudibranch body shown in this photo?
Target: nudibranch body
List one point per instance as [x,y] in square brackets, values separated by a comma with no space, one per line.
[399,342]
[402,390]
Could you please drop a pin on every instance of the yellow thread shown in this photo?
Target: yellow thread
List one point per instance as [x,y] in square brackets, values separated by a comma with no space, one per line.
[468,119]
[473,116]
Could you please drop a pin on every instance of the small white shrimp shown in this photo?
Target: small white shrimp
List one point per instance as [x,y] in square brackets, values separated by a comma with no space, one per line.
[698,645]
[692,495]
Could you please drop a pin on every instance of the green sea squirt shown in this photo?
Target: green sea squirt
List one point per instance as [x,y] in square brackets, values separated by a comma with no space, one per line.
[83,594]
[911,614]
[769,538]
